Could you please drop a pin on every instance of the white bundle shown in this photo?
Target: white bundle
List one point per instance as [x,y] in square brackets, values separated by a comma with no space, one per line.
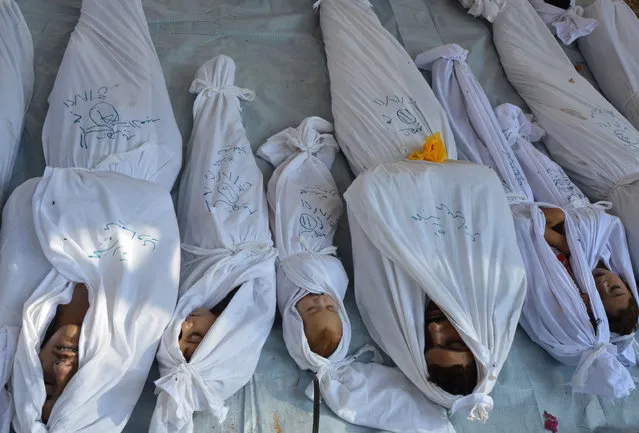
[119,237]
[488,9]
[383,107]
[306,207]
[596,146]
[612,55]
[478,134]
[410,222]
[16,82]
[567,24]
[599,236]
[227,244]
[109,107]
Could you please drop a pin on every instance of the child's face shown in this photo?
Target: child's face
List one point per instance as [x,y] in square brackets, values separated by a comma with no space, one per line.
[613,291]
[444,345]
[59,361]
[319,313]
[194,328]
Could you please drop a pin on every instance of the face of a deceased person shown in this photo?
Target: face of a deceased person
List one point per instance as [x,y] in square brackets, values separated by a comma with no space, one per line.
[320,316]
[59,360]
[444,345]
[614,293]
[193,330]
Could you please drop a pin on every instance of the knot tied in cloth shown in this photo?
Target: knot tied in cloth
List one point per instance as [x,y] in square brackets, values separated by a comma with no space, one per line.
[479,405]
[600,372]
[313,136]
[187,393]
[567,24]
[516,125]
[453,52]
[200,86]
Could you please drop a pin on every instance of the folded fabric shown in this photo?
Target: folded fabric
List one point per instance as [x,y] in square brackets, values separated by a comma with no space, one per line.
[410,222]
[580,124]
[567,24]
[109,107]
[16,82]
[119,237]
[227,244]
[383,107]
[600,236]
[478,134]
[612,56]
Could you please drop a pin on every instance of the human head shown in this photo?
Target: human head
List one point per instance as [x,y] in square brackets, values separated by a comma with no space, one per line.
[451,364]
[322,324]
[620,306]
[193,330]
[59,361]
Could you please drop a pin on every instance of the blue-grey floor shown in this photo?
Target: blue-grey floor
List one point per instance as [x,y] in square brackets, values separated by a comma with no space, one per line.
[278,50]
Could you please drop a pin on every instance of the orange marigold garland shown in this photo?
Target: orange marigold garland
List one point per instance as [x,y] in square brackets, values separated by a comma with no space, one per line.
[433,150]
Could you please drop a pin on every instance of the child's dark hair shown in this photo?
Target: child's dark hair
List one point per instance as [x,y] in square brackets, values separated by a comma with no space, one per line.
[624,322]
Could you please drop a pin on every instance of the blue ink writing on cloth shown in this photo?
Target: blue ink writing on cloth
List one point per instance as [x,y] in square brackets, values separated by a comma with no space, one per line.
[224,190]
[314,219]
[121,238]
[97,117]
[445,215]
[401,113]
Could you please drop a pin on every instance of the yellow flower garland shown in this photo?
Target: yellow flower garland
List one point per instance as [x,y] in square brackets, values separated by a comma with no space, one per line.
[434,150]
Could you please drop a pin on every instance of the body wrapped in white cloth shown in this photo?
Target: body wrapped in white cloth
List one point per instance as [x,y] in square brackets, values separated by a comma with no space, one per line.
[311,284]
[227,248]
[109,106]
[411,222]
[599,241]
[562,328]
[612,54]
[117,236]
[376,89]
[16,86]
[596,146]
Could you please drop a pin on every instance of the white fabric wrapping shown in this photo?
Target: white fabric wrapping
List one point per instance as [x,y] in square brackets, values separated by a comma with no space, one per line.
[581,126]
[305,208]
[612,55]
[118,236]
[383,107]
[16,87]
[410,221]
[109,106]
[19,249]
[488,9]
[600,235]
[567,24]
[223,219]
[478,134]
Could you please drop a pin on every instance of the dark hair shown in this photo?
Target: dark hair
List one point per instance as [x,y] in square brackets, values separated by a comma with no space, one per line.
[221,306]
[624,321]
[457,379]
[562,4]
[325,343]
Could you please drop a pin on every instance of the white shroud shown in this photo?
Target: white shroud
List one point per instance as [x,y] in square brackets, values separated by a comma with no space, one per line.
[227,244]
[612,55]
[376,89]
[596,146]
[119,237]
[441,232]
[109,107]
[305,208]
[16,86]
